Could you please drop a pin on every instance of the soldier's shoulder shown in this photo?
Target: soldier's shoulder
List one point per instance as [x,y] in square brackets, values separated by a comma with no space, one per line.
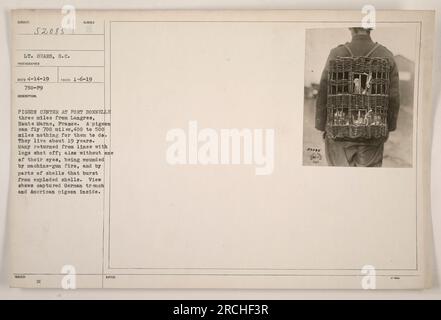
[385,51]
[339,50]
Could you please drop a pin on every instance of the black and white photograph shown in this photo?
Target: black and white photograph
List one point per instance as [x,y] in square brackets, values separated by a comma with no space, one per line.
[195,153]
[359,96]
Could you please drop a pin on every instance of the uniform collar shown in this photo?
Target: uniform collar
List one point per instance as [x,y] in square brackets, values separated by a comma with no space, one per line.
[361,37]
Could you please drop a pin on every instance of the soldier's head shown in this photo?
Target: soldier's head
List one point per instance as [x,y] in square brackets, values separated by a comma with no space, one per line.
[360,31]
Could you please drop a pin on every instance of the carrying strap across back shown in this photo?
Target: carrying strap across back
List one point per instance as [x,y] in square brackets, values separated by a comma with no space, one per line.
[373,49]
[349,49]
[376,45]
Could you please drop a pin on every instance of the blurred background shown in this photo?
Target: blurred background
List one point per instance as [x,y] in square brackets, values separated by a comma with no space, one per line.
[402,41]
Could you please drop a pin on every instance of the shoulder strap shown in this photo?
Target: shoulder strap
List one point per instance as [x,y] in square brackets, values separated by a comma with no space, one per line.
[376,45]
[349,49]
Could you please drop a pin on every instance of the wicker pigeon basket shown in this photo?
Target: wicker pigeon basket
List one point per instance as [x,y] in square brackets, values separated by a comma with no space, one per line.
[358,96]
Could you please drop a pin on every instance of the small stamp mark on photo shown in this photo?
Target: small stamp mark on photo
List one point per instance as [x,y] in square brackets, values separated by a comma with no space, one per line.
[314,154]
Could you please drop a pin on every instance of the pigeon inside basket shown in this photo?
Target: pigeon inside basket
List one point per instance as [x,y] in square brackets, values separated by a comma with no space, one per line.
[358,96]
